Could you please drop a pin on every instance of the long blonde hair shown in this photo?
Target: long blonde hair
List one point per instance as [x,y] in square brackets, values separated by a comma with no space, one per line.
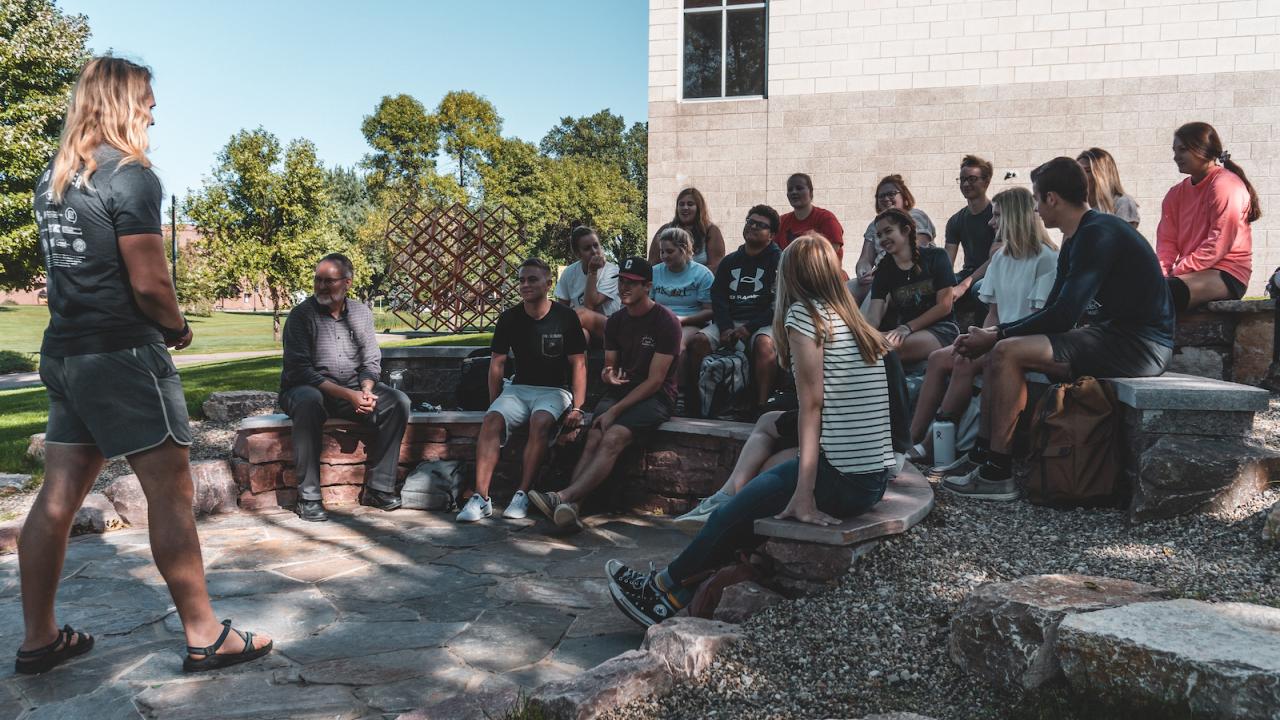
[1020,228]
[109,105]
[1104,184]
[809,271]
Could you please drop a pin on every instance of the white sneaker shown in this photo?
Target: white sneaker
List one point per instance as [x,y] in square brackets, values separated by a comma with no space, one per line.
[697,517]
[476,508]
[518,508]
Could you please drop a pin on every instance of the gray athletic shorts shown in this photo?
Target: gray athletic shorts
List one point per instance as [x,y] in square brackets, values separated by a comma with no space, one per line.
[643,417]
[1102,351]
[122,402]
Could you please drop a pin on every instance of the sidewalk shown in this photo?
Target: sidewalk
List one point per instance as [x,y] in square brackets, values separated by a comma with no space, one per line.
[13,381]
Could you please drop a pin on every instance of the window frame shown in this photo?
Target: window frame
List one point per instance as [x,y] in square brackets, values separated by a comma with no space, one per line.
[723,9]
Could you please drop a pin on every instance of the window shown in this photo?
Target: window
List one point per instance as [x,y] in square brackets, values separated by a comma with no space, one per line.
[724,48]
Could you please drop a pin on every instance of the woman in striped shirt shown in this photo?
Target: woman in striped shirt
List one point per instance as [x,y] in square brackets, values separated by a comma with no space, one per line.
[845,445]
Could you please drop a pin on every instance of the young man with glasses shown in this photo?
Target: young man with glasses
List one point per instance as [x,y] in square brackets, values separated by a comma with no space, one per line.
[549,349]
[331,368]
[742,304]
[970,229]
[641,347]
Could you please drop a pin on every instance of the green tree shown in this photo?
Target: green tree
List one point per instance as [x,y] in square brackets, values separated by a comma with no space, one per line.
[41,52]
[470,126]
[605,137]
[268,215]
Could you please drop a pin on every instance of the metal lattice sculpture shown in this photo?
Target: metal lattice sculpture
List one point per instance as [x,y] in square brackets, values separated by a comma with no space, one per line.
[453,268]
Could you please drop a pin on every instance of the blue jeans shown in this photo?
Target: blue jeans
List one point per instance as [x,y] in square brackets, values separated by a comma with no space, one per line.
[731,526]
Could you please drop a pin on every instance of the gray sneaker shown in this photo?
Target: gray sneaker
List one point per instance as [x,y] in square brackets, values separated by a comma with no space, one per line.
[973,485]
[697,517]
[546,502]
[566,516]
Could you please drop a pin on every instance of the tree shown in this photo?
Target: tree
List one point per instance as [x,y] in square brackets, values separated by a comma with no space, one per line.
[269,217]
[605,137]
[470,125]
[41,52]
[405,141]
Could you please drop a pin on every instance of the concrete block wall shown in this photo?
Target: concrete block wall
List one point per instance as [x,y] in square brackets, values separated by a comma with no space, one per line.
[862,88]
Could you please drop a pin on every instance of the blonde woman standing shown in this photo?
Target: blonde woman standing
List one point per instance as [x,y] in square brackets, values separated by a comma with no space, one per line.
[843,425]
[1106,194]
[112,312]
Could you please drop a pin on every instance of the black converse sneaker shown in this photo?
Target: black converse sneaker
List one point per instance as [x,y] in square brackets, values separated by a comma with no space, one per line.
[637,594]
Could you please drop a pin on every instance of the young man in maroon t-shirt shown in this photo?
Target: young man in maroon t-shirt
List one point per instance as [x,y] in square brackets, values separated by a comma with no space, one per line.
[641,344]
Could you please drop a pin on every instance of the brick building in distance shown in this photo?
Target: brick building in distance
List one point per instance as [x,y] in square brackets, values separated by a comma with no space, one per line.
[742,94]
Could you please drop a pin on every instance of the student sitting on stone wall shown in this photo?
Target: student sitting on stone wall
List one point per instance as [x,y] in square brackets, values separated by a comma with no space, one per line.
[683,287]
[1108,273]
[1204,241]
[1106,194]
[843,427]
[1023,267]
[969,231]
[546,339]
[742,305]
[589,285]
[891,192]
[911,296]
[642,347]
[693,217]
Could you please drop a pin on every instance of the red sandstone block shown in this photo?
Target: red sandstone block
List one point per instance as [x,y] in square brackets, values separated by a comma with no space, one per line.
[343,446]
[340,494]
[464,430]
[426,434]
[263,447]
[699,442]
[261,478]
[268,500]
[341,474]
[699,484]
[418,452]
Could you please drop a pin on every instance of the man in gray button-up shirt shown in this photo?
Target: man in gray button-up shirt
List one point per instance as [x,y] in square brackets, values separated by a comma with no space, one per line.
[331,369]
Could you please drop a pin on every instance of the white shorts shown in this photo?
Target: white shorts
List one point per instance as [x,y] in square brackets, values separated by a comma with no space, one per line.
[713,333]
[518,403]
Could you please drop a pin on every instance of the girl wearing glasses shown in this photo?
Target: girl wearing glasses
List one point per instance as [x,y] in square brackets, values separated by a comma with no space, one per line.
[891,192]
[692,217]
[911,295]
[1106,194]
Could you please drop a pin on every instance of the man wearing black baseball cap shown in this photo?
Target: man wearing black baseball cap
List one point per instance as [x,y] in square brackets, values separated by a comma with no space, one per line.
[642,344]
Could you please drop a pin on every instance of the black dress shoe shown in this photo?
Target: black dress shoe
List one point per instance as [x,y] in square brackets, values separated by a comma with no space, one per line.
[311,510]
[378,499]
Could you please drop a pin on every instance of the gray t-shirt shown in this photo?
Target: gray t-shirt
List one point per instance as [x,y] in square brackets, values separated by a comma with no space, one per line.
[91,305]
[924,226]
[1126,209]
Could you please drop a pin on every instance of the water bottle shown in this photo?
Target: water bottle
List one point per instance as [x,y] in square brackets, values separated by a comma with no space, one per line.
[944,442]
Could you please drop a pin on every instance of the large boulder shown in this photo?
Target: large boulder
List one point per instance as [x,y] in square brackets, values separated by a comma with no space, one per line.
[96,515]
[688,645]
[1194,658]
[631,676]
[214,485]
[11,483]
[1005,632]
[233,405]
[1180,474]
[1271,529]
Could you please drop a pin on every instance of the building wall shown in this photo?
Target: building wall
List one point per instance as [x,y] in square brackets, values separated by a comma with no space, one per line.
[862,88]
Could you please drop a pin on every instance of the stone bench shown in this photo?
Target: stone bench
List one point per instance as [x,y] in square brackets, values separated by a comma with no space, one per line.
[1226,340]
[807,556]
[1188,442]
[684,461]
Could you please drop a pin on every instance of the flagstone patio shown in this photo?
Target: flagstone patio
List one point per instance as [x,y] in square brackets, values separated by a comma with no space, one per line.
[373,614]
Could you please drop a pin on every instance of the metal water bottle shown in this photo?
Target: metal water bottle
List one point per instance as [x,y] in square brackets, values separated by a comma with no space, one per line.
[944,442]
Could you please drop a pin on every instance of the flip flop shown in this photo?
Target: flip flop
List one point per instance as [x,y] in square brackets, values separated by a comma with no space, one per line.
[212,660]
[34,662]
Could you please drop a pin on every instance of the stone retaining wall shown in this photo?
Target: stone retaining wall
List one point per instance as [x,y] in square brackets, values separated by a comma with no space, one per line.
[684,461]
[1228,340]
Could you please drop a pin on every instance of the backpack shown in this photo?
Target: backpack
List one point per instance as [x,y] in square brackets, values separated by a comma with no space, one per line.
[1075,458]
[473,386]
[434,485]
[722,376]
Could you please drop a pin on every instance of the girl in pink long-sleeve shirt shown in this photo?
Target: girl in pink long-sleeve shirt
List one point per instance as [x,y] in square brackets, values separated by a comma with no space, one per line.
[1204,241]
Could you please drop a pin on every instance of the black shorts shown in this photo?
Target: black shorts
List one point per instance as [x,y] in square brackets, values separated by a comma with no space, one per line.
[1234,286]
[946,332]
[1102,351]
[788,428]
[642,417]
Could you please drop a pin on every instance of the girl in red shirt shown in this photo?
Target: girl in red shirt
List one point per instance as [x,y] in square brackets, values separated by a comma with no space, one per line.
[806,218]
[1204,241]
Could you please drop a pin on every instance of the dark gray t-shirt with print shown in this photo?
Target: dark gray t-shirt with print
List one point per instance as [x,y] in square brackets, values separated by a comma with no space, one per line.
[91,304]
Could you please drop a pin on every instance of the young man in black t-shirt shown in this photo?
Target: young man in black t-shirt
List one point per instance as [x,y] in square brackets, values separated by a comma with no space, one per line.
[641,347]
[1107,273]
[969,229]
[550,350]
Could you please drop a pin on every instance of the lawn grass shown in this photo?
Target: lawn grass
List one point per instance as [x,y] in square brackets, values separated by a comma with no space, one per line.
[24,412]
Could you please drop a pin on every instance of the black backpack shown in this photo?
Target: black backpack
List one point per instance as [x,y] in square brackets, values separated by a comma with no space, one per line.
[473,386]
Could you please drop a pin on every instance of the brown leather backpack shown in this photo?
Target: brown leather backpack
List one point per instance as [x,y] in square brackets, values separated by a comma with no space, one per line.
[1075,458]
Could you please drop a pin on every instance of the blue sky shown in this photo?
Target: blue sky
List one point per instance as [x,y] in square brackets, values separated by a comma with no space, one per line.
[315,69]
